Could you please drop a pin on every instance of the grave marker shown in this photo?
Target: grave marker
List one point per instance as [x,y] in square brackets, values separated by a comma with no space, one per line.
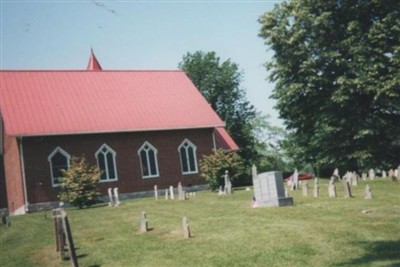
[332,188]
[171,192]
[110,196]
[186,229]
[143,222]
[371,174]
[347,189]
[368,192]
[316,187]
[269,190]
[305,189]
[155,192]
[116,196]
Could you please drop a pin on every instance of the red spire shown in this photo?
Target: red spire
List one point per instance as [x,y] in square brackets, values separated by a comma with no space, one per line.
[93,63]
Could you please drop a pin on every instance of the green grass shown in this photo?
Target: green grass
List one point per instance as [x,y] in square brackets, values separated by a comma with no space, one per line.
[227,232]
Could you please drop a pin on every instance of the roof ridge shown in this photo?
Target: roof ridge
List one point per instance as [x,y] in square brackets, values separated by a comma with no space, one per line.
[85,71]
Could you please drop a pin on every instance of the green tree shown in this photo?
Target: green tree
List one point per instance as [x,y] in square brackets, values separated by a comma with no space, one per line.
[336,68]
[213,167]
[272,156]
[219,82]
[80,182]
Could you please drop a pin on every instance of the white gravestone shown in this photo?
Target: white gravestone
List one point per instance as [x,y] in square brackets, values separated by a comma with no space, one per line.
[316,187]
[181,195]
[269,190]
[171,192]
[110,196]
[305,189]
[143,222]
[368,192]
[371,174]
[166,194]
[155,192]
[332,188]
[116,196]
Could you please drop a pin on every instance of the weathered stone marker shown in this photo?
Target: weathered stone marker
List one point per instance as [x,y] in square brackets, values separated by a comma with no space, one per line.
[269,190]
[186,229]
[332,188]
[316,187]
[156,192]
[110,196]
[171,192]
[143,222]
[368,192]
[347,189]
[116,197]
[181,193]
[166,194]
[305,188]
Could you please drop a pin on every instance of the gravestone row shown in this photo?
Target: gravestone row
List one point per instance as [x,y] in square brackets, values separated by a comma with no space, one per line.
[144,225]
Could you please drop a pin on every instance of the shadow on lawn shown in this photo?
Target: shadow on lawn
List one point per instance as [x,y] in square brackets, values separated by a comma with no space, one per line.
[377,251]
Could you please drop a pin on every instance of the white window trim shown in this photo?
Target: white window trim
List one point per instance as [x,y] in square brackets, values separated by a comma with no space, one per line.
[151,147]
[109,149]
[55,151]
[190,144]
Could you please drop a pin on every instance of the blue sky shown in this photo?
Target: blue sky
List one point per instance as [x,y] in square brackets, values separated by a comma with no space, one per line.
[137,35]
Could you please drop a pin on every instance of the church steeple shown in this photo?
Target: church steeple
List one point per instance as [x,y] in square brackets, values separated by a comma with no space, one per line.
[93,63]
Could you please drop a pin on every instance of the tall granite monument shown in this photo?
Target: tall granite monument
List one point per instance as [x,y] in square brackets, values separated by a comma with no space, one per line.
[269,189]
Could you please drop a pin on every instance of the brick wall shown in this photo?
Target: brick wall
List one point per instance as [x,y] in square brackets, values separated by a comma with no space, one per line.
[126,145]
[12,170]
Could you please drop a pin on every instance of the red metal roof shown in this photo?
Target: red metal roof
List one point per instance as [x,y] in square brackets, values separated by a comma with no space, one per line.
[69,102]
[224,140]
[93,62]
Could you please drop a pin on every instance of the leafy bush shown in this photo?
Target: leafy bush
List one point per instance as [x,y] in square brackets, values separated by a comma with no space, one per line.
[213,167]
[80,182]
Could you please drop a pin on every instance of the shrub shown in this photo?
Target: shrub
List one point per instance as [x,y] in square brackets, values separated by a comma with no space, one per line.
[80,182]
[213,167]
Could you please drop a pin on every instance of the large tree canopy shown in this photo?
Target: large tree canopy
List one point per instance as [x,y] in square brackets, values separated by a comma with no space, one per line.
[336,67]
[219,82]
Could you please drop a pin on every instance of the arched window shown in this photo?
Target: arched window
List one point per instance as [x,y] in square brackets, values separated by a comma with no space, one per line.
[148,160]
[59,160]
[187,151]
[106,162]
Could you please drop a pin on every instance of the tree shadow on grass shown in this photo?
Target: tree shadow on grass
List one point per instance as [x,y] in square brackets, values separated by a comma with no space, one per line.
[377,251]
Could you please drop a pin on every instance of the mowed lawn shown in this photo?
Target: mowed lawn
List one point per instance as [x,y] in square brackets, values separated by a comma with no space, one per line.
[226,232]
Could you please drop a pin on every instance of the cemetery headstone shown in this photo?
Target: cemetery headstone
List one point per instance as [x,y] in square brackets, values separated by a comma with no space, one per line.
[155,192]
[186,228]
[181,195]
[336,174]
[305,189]
[296,179]
[347,189]
[116,197]
[391,173]
[171,192]
[316,187]
[384,175]
[228,184]
[269,190]
[332,188]
[110,196]
[364,176]
[166,194]
[368,192]
[354,179]
[371,174]
[143,222]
